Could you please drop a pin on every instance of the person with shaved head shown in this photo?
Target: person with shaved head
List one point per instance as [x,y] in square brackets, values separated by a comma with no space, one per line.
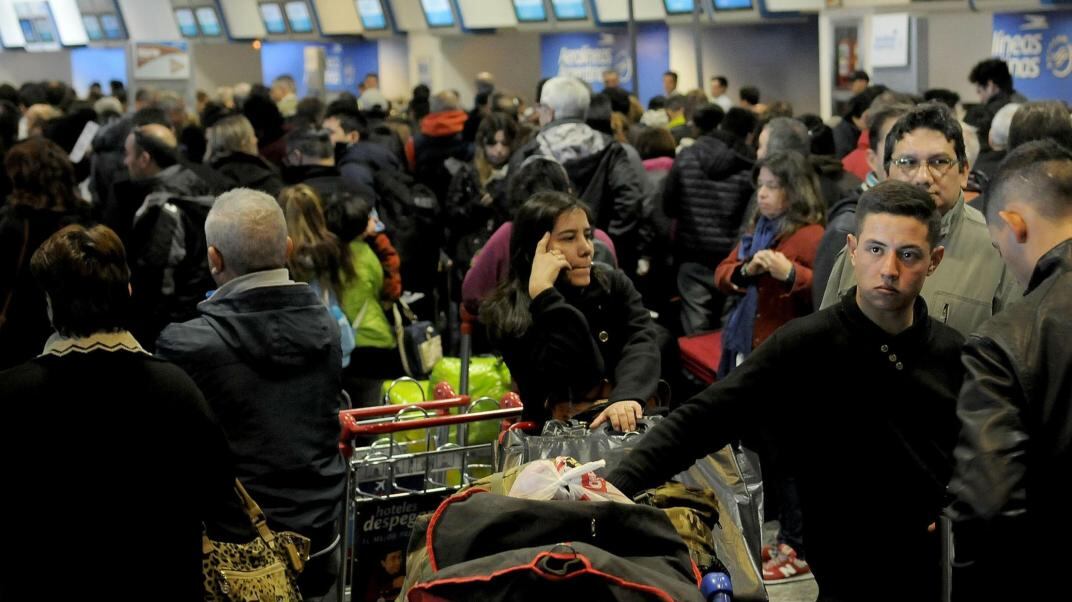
[265,352]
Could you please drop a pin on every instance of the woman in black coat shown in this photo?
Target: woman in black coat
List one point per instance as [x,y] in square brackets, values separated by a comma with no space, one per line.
[44,198]
[574,333]
[232,151]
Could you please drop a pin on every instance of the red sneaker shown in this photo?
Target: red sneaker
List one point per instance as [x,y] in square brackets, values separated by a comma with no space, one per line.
[785,567]
[767,553]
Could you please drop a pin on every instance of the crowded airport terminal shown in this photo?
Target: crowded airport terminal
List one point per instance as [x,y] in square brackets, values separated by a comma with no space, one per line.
[528,300]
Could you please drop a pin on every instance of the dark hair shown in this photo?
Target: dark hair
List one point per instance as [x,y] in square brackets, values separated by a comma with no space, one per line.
[675,103]
[349,118]
[41,176]
[657,102]
[655,142]
[862,101]
[539,88]
[485,134]
[32,93]
[739,122]
[1040,120]
[9,125]
[57,94]
[85,275]
[947,97]
[671,74]
[163,155]
[348,217]
[310,142]
[536,174]
[505,103]
[506,311]
[599,112]
[725,83]
[707,117]
[213,112]
[820,134]
[9,93]
[931,116]
[901,198]
[878,117]
[619,99]
[801,186]
[992,70]
[150,115]
[779,108]
[786,134]
[1042,171]
[264,116]
[860,74]
[310,111]
[750,94]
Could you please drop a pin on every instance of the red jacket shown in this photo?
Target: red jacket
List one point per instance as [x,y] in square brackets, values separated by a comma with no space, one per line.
[856,161]
[777,303]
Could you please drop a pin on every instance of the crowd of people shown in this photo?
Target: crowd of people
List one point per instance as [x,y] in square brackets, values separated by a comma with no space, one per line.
[193,298]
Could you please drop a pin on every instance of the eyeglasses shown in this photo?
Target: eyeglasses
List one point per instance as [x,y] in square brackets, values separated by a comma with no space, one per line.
[938,166]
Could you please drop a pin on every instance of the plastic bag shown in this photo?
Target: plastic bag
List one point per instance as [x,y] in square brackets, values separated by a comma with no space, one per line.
[488,375]
[556,480]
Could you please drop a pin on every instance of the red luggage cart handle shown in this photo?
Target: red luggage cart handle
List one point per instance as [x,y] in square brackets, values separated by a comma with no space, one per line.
[384,428]
[348,417]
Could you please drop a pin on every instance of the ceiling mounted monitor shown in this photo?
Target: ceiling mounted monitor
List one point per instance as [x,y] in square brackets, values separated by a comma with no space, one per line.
[569,10]
[730,5]
[93,28]
[37,25]
[298,17]
[184,18]
[438,13]
[113,28]
[372,15]
[530,11]
[272,15]
[209,21]
[679,7]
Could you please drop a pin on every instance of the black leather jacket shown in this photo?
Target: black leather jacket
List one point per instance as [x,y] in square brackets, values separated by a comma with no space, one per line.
[1015,451]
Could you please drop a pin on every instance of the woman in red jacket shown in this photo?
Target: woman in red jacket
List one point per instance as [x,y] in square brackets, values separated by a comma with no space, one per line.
[770,269]
[771,265]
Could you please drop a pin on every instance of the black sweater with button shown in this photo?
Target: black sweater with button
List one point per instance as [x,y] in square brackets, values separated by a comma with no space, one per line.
[581,337]
[866,421]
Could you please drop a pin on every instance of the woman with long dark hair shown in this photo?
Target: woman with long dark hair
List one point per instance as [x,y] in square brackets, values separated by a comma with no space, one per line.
[575,334]
[44,198]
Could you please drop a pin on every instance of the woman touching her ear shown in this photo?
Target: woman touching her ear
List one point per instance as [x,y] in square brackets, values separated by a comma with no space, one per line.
[574,333]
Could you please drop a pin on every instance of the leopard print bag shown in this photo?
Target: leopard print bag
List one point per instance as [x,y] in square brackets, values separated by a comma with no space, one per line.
[263,570]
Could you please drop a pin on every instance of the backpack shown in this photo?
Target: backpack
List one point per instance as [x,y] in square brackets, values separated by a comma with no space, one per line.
[347,339]
[411,213]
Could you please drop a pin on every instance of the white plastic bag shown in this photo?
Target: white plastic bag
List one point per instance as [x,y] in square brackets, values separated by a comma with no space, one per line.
[555,480]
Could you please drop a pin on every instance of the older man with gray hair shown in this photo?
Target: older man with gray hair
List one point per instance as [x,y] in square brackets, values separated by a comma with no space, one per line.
[604,173]
[265,352]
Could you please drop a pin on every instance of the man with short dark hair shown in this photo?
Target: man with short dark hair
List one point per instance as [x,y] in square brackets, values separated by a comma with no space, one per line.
[847,132]
[888,426]
[311,160]
[265,352]
[669,84]
[993,84]
[860,81]
[356,156]
[1013,459]
[719,92]
[750,100]
[925,148]
[611,79]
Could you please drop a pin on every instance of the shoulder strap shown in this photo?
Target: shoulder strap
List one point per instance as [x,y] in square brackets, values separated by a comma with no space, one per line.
[400,335]
[18,272]
[360,317]
[255,514]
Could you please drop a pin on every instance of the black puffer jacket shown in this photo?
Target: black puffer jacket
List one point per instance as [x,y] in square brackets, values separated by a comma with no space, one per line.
[707,191]
[1015,449]
[242,170]
[360,162]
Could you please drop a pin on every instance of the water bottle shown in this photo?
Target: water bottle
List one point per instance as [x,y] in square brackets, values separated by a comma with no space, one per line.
[716,587]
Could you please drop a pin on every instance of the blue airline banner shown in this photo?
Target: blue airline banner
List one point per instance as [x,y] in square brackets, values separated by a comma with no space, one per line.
[587,55]
[345,65]
[1038,49]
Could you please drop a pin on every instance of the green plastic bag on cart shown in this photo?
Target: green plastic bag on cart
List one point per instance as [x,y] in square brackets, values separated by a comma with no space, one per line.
[488,375]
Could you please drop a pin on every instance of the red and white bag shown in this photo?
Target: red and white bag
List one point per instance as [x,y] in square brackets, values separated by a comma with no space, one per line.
[557,480]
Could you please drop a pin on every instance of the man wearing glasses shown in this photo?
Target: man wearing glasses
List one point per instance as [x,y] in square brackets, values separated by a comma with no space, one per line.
[926,148]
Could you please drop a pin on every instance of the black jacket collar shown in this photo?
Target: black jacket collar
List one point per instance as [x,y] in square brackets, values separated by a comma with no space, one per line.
[1057,259]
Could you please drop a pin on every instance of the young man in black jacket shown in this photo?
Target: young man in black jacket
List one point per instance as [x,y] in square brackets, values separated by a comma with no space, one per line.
[871,454]
[1015,450]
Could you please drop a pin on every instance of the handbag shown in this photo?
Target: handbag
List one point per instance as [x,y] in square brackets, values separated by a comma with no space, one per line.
[418,343]
[265,569]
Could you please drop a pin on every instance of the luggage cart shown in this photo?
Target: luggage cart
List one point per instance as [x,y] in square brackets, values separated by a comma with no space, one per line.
[424,454]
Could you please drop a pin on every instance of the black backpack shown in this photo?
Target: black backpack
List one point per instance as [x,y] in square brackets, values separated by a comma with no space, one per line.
[411,212]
